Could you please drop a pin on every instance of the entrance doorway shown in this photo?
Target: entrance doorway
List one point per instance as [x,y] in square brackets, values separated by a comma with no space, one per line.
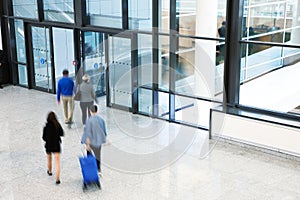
[42,64]
[52,52]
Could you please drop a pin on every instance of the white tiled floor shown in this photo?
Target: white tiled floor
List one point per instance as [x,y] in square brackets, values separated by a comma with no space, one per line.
[147,159]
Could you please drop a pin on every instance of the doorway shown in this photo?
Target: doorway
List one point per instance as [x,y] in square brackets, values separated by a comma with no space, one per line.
[52,52]
[42,64]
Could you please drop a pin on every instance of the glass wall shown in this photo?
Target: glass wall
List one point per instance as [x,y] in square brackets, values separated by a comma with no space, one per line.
[25,8]
[140,14]
[267,71]
[105,13]
[190,57]
[20,41]
[59,11]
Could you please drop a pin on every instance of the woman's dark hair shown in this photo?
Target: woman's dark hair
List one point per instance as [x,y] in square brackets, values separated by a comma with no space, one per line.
[52,119]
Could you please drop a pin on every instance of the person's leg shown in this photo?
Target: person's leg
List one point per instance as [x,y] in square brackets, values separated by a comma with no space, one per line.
[97,152]
[49,163]
[57,164]
[83,112]
[65,108]
[87,108]
[71,106]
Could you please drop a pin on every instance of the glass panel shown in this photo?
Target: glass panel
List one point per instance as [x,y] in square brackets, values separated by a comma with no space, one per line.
[272,89]
[41,54]
[192,111]
[145,101]
[60,11]
[145,60]
[273,21]
[196,73]
[163,105]
[265,59]
[105,13]
[145,72]
[164,16]
[192,17]
[63,45]
[20,41]
[163,68]
[186,12]
[120,71]
[140,14]
[22,74]
[94,61]
[25,8]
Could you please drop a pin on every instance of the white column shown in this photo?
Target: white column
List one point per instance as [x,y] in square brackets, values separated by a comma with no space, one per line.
[205,55]
[205,51]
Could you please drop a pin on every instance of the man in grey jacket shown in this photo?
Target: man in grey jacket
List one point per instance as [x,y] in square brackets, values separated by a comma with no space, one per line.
[94,135]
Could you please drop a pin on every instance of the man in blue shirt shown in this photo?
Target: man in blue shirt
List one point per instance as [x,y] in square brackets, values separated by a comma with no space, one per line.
[94,135]
[65,90]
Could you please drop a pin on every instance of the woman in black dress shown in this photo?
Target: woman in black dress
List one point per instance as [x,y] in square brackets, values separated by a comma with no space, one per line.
[51,135]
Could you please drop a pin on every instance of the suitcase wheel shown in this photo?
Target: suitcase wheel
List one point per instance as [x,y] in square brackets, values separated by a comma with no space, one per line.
[98,184]
[84,187]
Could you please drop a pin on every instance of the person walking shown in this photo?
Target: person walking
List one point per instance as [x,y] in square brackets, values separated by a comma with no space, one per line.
[52,134]
[87,97]
[222,34]
[65,90]
[94,135]
[2,61]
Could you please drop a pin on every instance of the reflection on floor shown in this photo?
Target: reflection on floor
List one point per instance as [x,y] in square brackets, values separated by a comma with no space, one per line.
[147,159]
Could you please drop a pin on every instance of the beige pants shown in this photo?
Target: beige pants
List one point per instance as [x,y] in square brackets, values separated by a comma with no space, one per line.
[68,106]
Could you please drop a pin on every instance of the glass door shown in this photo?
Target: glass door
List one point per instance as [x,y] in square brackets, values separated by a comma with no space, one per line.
[120,80]
[63,52]
[42,65]
[94,60]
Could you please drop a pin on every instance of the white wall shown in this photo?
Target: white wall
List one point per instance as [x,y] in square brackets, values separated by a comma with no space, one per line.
[263,134]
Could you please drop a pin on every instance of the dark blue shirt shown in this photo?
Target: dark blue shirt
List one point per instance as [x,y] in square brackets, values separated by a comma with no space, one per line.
[65,87]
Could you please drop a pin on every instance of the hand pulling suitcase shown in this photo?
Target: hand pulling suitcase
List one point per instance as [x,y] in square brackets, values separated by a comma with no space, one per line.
[89,171]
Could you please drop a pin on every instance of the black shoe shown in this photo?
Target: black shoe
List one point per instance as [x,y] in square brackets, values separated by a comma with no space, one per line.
[57,182]
[1,87]
[49,173]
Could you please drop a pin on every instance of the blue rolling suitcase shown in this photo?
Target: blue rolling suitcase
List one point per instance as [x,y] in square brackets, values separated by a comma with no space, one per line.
[89,171]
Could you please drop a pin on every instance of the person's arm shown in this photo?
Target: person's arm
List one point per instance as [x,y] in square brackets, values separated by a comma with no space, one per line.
[74,87]
[58,92]
[104,128]
[61,131]
[44,137]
